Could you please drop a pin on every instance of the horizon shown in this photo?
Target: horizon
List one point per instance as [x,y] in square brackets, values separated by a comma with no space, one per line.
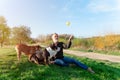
[88,18]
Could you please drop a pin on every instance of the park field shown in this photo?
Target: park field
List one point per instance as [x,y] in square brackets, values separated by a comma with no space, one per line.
[10,69]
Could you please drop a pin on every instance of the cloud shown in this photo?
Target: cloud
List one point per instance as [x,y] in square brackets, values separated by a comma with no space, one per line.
[104,5]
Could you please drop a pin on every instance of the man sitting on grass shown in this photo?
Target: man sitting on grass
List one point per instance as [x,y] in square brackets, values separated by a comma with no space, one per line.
[63,60]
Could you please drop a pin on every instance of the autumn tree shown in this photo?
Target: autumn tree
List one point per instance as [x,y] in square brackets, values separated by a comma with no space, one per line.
[4,31]
[99,43]
[21,34]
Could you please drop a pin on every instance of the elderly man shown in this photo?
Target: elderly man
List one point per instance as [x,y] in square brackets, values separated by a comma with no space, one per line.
[63,60]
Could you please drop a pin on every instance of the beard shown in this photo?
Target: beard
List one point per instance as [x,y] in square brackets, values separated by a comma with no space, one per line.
[55,40]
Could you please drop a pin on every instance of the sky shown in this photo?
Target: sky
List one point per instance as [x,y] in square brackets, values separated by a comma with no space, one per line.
[87,18]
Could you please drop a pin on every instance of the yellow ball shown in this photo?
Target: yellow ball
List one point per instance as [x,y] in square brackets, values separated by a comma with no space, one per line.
[68,23]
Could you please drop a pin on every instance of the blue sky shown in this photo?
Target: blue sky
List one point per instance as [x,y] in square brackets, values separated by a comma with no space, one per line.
[88,17]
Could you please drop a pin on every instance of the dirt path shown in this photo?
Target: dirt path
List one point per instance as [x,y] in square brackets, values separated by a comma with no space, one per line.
[92,55]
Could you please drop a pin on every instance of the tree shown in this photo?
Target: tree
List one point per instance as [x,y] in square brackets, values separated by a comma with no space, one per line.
[21,34]
[99,43]
[4,31]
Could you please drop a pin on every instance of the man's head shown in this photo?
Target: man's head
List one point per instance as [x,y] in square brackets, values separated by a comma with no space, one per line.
[55,37]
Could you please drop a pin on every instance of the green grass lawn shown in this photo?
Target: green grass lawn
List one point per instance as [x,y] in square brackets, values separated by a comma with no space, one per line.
[10,69]
[110,52]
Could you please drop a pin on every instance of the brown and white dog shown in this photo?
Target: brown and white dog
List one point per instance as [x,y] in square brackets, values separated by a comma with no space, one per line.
[50,53]
[45,56]
[27,50]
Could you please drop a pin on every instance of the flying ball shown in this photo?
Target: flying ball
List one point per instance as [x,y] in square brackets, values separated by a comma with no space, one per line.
[68,23]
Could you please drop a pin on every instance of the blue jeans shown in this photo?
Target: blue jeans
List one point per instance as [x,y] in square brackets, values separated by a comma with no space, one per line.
[67,60]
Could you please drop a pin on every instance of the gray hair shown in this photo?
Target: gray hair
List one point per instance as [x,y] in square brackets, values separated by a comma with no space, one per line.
[53,35]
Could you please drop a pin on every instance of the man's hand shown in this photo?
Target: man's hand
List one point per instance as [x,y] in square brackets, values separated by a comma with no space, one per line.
[52,62]
[70,38]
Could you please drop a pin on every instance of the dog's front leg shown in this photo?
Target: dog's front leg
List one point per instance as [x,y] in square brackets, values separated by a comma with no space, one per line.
[45,58]
[19,55]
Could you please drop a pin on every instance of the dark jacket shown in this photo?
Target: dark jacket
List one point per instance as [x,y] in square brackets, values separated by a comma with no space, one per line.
[62,46]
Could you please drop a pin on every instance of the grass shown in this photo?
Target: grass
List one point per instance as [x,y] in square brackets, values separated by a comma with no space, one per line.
[10,69]
[110,52]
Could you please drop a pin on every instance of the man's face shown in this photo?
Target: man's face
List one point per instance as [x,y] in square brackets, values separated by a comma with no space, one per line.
[55,38]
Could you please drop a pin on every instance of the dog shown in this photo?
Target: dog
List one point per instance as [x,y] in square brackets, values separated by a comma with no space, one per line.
[27,50]
[37,57]
[49,53]
[44,56]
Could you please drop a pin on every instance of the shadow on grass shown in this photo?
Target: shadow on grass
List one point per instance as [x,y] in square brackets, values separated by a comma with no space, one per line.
[12,70]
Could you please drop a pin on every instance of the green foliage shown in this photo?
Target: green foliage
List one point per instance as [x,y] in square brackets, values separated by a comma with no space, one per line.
[46,39]
[4,31]
[21,34]
[118,45]
[76,42]
[106,43]
[10,69]
[83,43]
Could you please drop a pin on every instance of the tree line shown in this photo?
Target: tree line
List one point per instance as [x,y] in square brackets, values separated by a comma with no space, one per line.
[17,34]
[22,34]
[106,42]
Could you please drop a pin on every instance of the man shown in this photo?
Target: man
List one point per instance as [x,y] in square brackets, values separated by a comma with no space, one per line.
[63,60]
